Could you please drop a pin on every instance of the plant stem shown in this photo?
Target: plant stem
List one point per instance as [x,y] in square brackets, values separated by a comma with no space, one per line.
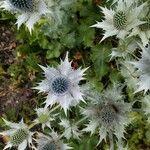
[111,140]
[32,125]
[80,120]
[53,109]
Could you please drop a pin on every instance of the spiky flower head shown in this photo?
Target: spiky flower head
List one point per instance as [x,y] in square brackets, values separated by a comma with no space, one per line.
[142,65]
[124,48]
[62,85]
[120,20]
[19,135]
[44,117]
[71,129]
[107,112]
[52,142]
[30,11]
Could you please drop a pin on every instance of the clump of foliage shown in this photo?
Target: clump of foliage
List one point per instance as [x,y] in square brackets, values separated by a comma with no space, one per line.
[95,57]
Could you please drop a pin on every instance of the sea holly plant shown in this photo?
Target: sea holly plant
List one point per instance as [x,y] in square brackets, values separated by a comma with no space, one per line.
[62,85]
[143,68]
[19,134]
[51,142]
[120,20]
[80,106]
[107,112]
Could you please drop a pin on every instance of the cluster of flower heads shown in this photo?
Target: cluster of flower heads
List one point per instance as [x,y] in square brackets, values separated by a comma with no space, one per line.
[130,22]
[106,112]
[62,87]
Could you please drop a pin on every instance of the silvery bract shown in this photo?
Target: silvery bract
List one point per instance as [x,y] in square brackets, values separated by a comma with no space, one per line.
[143,30]
[19,135]
[71,130]
[120,146]
[30,10]
[129,72]
[146,104]
[62,85]
[44,117]
[120,20]
[143,69]
[52,142]
[107,112]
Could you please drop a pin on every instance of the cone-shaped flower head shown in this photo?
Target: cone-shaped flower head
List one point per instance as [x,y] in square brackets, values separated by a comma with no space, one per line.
[71,129]
[19,135]
[107,112]
[52,142]
[120,20]
[30,10]
[144,70]
[44,117]
[62,85]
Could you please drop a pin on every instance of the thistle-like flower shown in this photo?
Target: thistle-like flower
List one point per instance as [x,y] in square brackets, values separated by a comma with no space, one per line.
[30,10]
[19,135]
[120,20]
[108,113]
[124,48]
[44,117]
[52,142]
[62,85]
[71,130]
[143,69]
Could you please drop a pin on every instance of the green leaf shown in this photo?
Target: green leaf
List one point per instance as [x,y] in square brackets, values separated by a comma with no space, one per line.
[54,50]
[87,143]
[100,58]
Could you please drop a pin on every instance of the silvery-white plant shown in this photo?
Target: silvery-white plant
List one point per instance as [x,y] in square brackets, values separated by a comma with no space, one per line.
[120,20]
[71,129]
[108,113]
[19,135]
[30,11]
[62,85]
[146,106]
[130,74]
[142,65]
[44,117]
[143,30]
[124,48]
[51,142]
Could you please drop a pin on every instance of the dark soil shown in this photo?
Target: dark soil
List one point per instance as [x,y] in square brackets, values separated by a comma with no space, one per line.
[10,95]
